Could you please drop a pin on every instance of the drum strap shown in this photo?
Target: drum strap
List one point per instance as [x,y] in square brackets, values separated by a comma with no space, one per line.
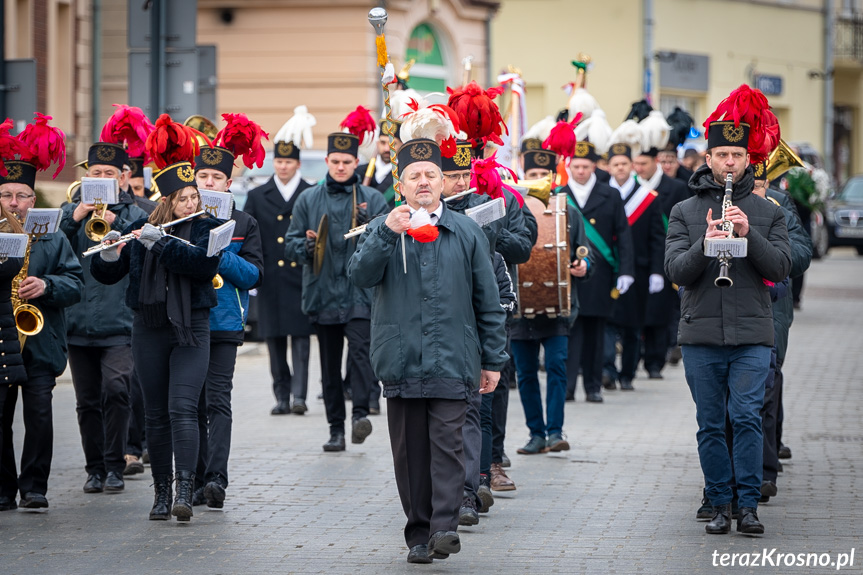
[595,237]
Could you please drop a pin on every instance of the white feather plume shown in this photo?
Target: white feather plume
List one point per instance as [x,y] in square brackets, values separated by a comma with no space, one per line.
[595,130]
[427,123]
[541,130]
[655,131]
[630,133]
[298,129]
[582,101]
[399,101]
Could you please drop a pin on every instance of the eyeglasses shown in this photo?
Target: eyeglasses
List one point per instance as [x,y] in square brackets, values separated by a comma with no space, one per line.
[18,197]
[460,176]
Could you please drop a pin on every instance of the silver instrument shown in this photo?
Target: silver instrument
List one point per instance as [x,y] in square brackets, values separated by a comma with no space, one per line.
[726,248]
[129,237]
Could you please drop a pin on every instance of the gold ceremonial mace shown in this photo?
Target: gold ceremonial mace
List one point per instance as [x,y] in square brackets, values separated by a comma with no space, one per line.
[378,18]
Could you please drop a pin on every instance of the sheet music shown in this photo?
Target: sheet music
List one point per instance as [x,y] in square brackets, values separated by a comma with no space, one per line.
[13,245]
[104,191]
[732,247]
[488,212]
[217,204]
[42,221]
[148,177]
[220,237]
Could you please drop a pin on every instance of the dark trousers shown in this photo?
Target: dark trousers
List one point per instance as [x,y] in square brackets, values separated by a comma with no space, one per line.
[486,425]
[499,407]
[769,419]
[38,450]
[428,455]
[101,377]
[285,383]
[331,340]
[214,415]
[656,344]
[136,439]
[526,354]
[630,339]
[472,440]
[171,378]
[586,347]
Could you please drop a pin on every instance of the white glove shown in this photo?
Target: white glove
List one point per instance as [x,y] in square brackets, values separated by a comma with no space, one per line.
[110,255]
[656,283]
[150,234]
[624,283]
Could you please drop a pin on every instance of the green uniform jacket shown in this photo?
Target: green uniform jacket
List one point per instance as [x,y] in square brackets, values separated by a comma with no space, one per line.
[329,298]
[52,260]
[436,327]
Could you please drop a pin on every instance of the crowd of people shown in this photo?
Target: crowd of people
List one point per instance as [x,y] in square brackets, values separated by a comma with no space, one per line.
[450,284]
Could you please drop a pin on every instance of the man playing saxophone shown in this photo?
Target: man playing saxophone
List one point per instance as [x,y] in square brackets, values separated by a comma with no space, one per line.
[726,333]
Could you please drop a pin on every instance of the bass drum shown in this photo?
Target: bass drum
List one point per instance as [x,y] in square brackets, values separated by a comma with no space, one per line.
[543,282]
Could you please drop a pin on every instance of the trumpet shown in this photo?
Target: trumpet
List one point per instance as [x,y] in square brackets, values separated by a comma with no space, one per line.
[129,237]
[97,226]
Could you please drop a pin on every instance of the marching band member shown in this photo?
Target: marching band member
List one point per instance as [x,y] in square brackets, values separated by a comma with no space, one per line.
[171,293]
[53,282]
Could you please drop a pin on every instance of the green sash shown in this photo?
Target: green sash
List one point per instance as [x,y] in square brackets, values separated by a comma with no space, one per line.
[390,194]
[593,236]
[665,223]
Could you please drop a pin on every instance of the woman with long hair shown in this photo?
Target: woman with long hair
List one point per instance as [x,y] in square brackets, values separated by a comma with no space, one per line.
[171,293]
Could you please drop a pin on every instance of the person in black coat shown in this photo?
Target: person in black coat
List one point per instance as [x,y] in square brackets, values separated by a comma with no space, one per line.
[644,214]
[171,293]
[607,230]
[280,295]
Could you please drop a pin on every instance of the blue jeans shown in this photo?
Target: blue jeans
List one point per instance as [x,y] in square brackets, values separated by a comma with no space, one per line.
[732,375]
[526,354]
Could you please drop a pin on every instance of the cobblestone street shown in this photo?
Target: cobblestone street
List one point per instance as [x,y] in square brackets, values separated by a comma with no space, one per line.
[623,500]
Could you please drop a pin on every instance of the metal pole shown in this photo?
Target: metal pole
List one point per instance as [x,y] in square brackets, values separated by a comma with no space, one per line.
[2,60]
[156,52]
[828,89]
[96,67]
[648,50]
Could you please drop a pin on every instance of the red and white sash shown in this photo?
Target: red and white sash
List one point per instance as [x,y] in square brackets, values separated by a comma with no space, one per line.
[638,202]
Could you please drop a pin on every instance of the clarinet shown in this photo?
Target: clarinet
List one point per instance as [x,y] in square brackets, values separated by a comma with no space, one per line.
[724,257]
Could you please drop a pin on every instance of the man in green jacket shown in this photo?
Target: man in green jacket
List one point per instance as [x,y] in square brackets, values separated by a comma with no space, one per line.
[437,335]
[337,308]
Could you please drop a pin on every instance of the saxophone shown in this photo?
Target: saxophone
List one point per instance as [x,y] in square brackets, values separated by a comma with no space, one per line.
[28,318]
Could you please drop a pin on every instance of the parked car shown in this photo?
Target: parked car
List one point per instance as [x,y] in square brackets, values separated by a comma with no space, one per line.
[313,170]
[844,215]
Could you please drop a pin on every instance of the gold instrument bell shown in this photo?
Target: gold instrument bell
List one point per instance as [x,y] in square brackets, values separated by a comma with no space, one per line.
[203,125]
[218,282]
[540,188]
[97,227]
[781,160]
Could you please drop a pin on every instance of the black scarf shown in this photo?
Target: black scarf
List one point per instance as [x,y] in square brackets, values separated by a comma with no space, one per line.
[167,297]
[346,186]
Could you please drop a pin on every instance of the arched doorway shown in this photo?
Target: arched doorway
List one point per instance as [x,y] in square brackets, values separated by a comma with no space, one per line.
[430,72]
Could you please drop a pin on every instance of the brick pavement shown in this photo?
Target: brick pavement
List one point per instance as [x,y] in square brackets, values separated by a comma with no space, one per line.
[622,500]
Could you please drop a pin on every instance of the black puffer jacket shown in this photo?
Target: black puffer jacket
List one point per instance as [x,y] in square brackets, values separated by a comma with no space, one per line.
[11,363]
[737,315]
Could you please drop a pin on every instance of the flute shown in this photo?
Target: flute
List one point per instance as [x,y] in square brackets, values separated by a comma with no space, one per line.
[129,237]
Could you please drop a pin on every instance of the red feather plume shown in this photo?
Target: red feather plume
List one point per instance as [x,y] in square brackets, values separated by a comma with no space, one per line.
[478,116]
[128,125]
[171,142]
[242,137]
[9,146]
[44,145]
[360,123]
[750,106]
[562,140]
[486,179]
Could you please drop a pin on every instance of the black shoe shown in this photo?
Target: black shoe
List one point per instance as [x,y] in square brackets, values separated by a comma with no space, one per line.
[486,497]
[442,544]
[33,501]
[779,468]
[608,382]
[161,510]
[654,374]
[419,554]
[570,397]
[182,508]
[198,497]
[748,522]
[299,407]
[594,397]
[7,503]
[374,407]
[214,493]
[114,482]
[505,462]
[706,509]
[721,522]
[145,457]
[764,499]
[360,429]
[134,465]
[626,384]
[467,513]
[336,442]
[784,452]
[94,484]
[768,488]
[281,408]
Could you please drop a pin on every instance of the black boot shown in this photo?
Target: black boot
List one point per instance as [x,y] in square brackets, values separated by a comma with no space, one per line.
[748,522]
[721,522]
[161,510]
[182,509]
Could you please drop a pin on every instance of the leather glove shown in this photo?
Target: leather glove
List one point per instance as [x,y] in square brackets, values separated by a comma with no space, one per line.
[150,234]
[656,283]
[110,255]
[362,216]
[310,247]
[624,283]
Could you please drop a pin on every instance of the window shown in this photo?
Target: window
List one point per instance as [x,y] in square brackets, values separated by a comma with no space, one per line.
[429,73]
